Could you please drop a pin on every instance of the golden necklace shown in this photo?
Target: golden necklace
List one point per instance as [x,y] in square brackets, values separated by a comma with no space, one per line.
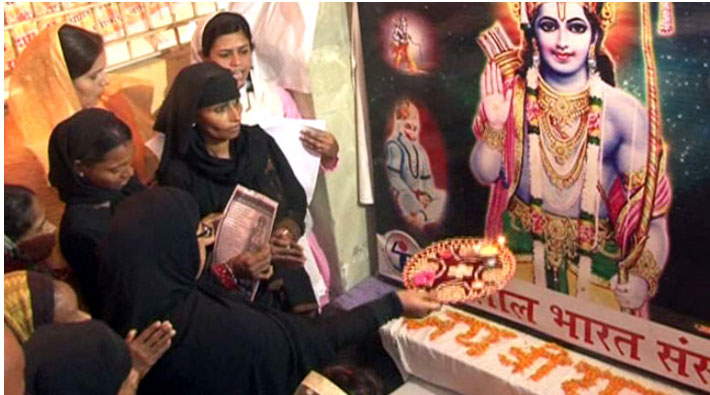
[563,181]
[563,108]
[560,112]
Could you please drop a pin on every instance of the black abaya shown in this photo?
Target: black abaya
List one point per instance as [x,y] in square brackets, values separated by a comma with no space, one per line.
[89,208]
[255,162]
[224,345]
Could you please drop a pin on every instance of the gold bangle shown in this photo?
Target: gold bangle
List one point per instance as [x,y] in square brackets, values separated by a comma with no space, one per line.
[494,137]
[647,268]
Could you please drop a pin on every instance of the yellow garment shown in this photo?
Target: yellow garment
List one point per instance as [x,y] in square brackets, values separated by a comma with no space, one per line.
[18,305]
[42,95]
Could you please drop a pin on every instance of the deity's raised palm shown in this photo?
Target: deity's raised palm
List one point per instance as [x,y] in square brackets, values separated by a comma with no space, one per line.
[496,101]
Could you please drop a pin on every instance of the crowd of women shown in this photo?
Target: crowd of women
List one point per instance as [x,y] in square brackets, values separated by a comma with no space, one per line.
[137,235]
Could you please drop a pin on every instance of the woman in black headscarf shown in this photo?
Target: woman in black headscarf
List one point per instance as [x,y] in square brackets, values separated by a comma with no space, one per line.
[90,164]
[34,300]
[150,265]
[208,152]
[78,358]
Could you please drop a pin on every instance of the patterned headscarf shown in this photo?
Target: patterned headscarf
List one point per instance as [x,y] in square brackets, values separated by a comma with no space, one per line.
[29,302]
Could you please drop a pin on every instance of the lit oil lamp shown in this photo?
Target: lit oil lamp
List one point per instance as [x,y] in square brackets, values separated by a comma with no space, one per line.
[489,250]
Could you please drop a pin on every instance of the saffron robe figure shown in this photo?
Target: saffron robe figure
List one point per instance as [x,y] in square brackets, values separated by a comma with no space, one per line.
[400,46]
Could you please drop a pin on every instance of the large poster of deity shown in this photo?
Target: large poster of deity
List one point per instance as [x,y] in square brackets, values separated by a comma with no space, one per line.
[579,132]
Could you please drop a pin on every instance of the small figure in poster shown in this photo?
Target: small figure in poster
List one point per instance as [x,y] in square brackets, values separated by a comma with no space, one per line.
[409,42]
[567,162]
[259,234]
[412,184]
[400,46]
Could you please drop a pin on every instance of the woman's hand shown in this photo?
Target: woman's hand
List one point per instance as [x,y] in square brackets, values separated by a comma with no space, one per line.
[253,264]
[149,345]
[285,250]
[496,101]
[130,383]
[321,142]
[417,304]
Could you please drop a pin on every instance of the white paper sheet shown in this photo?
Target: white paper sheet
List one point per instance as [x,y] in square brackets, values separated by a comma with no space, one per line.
[287,133]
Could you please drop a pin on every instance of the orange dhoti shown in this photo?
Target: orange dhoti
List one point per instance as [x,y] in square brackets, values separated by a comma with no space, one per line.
[400,52]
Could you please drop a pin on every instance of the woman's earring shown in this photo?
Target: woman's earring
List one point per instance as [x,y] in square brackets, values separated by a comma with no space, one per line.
[77,168]
[535,55]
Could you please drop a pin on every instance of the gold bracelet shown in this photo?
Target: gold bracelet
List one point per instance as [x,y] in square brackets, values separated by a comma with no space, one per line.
[494,137]
[648,269]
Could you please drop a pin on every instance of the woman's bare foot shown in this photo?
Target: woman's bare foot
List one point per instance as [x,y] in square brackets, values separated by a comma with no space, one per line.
[147,347]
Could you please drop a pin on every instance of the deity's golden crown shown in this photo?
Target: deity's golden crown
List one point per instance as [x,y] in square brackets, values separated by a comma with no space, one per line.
[604,11]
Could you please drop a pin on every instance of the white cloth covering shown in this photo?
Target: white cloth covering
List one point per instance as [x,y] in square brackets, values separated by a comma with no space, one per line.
[446,363]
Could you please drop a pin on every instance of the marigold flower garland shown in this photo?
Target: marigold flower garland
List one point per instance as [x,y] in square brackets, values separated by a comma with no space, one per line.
[442,326]
[553,353]
[615,384]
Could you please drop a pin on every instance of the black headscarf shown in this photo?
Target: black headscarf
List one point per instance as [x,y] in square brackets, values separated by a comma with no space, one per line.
[149,261]
[195,87]
[76,358]
[250,152]
[178,113]
[76,134]
[42,295]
